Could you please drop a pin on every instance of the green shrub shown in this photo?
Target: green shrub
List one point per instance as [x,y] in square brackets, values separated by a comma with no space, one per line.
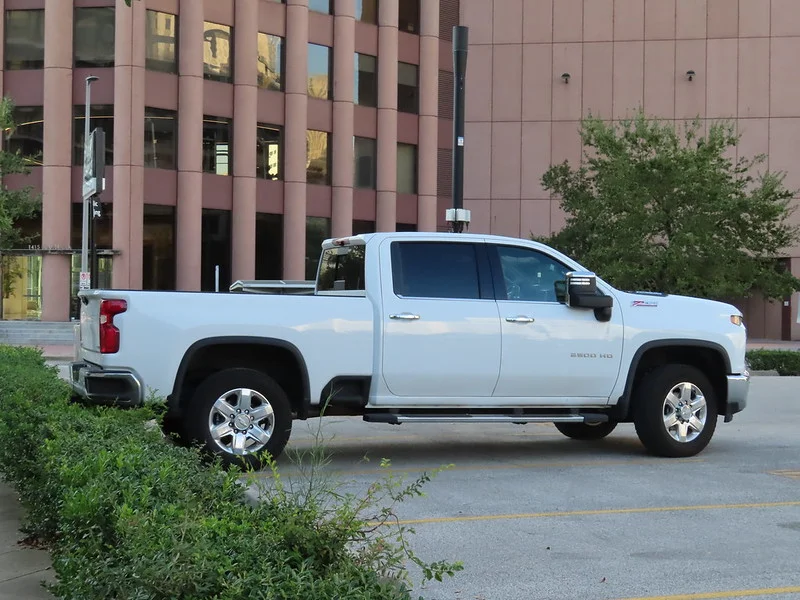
[127,514]
[785,362]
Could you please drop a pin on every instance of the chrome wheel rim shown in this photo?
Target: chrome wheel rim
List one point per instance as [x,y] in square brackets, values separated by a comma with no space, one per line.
[241,421]
[685,412]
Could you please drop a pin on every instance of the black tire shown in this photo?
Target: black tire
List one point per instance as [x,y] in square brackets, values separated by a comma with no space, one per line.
[225,383]
[650,406]
[586,431]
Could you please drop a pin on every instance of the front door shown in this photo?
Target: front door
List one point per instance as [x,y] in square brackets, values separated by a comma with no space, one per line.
[441,329]
[552,354]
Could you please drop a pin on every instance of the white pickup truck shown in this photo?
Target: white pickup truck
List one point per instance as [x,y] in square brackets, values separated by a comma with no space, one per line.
[421,328]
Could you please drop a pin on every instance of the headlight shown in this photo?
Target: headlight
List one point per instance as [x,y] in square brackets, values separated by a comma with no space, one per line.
[737,320]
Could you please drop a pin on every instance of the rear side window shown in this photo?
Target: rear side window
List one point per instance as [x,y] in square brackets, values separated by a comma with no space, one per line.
[342,269]
[435,270]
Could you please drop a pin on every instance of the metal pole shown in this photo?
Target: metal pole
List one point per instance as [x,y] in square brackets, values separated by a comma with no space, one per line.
[460,44]
[216,278]
[86,203]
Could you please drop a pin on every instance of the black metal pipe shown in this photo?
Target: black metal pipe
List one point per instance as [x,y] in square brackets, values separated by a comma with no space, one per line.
[460,44]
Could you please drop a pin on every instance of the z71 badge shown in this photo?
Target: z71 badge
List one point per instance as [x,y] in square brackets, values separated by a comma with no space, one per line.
[644,303]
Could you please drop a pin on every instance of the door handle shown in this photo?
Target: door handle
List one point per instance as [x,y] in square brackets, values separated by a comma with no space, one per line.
[405,317]
[520,319]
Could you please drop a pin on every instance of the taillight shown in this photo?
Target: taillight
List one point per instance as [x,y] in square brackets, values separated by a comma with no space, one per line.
[109,334]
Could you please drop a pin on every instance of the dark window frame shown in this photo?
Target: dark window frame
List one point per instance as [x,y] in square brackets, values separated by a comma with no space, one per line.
[229,123]
[408,20]
[328,158]
[372,93]
[281,63]
[360,17]
[329,91]
[27,64]
[207,73]
[373,175]
[415,174]
[100,63]
[103,120]
[35,121]
[150,114]
[155,64]
[262,173]
[404,104]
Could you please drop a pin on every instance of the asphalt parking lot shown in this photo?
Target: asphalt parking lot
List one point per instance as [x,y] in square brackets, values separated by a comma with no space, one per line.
[534,515]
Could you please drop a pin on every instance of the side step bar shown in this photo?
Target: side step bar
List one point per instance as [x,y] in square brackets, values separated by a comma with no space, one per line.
[397,418]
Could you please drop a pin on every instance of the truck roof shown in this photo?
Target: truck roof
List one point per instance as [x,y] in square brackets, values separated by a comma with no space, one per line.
[437,235]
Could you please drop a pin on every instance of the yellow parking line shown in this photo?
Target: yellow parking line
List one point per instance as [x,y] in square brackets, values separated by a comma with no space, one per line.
[504,466]
[605,511]
[730,594]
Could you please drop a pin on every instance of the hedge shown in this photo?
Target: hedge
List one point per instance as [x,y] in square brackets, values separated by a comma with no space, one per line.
[127,514]
[785,362]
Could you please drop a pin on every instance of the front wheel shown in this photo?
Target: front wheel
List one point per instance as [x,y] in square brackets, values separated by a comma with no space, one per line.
[675,411]
[586,431]
[238,414]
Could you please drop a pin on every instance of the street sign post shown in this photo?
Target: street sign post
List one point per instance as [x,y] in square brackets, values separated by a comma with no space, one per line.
[89,187]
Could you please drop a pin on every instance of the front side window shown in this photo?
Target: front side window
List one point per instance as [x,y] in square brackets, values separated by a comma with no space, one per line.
[217,146]
[320,66]
[94,37]
[435,270]
[218,52]
[270,62]
[161,42]
[529,275]
[24,43]
[160,138]
[268,151]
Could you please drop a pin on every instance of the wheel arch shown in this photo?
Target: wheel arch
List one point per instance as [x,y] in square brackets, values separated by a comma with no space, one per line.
[710,357]
[277,358]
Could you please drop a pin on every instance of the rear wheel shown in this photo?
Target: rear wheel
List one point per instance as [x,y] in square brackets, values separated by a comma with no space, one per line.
[238,414]
[586,431]
[675,411]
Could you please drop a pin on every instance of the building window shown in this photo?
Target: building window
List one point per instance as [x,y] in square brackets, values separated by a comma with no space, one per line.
[365,152]
[215,250]
[27,137]
[270,61]
[158,260]
[268,151]
[320,67]
[408,16]
[360,227]
[323,6]
[318,229]
[318,157]
[161,42]
[406,169]
[406,227]
[217,146]
[269,246]
[366,84]
[94,37]
[407,87]
[160,138]
[24,43]
[367,11]
[218,52]
[102,115]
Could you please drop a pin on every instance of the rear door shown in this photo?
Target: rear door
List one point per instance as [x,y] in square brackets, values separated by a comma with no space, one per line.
[440,323]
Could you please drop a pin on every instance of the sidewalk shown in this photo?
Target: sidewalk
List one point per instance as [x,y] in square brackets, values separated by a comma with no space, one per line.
[22,569]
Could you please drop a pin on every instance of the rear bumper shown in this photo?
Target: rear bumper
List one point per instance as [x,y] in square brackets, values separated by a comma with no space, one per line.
[108,387]
[738,388]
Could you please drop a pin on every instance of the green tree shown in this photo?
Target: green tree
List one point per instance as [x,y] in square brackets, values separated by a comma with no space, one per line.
[15,204]
[660,207]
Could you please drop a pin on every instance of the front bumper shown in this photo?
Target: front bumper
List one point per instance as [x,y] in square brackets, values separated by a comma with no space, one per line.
[738,388]
[108,387]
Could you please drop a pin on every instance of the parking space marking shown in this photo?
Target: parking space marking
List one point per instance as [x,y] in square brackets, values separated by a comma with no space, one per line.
[729,594]
[498,467]
[791,473]
[603,511]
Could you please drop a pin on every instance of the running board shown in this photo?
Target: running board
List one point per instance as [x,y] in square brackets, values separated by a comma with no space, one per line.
[396,418]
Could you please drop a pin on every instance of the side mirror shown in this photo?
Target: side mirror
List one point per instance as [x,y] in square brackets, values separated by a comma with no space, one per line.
[582,293]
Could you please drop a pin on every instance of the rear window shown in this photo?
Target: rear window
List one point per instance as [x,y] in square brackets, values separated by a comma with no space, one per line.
[342,270]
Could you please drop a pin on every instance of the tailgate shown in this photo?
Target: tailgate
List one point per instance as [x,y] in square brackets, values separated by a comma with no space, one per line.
[90,320]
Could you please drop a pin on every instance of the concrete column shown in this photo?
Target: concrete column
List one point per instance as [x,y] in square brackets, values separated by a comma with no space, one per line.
[296,124]
[245,119]
[189,220]
[57,158]
[428,114]
[386,210]
[343,96]
[129,84]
